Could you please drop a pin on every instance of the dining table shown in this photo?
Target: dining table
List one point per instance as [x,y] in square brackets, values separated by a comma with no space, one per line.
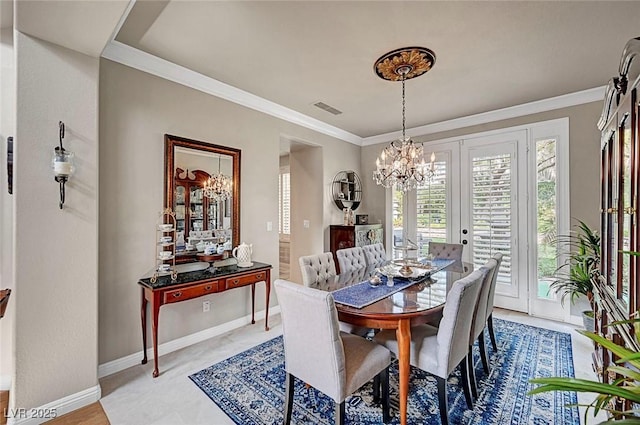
[409,302]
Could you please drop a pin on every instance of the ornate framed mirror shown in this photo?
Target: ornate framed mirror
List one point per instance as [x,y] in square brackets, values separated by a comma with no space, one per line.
[202,186]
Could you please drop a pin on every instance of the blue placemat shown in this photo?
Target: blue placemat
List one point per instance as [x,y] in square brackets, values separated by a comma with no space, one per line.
[362,294]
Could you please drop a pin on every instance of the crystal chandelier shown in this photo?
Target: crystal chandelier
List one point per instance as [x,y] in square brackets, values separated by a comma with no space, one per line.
[401,164]
[218,187]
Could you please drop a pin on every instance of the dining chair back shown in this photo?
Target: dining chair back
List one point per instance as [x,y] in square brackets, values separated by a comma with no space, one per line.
[316,352]
[374,254]
[478,324]
[446,251]
[490,300]
[317,268]
[350,259]
[440,350]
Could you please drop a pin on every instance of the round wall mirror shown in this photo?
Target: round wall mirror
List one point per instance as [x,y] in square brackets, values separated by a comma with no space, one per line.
[346,190]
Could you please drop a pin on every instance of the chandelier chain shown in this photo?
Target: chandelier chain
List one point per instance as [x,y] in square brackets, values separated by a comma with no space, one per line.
[403,109]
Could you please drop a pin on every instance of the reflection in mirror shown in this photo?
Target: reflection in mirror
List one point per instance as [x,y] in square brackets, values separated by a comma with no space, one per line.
[202,186]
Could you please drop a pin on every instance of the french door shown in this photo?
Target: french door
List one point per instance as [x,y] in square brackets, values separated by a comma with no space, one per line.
[500,191]
[493,207]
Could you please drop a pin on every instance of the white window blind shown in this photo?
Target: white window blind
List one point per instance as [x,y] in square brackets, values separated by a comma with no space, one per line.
[284,202]
[491,210]
[431,209]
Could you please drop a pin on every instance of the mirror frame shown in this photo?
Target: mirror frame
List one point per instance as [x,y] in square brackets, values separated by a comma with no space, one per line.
[170,142]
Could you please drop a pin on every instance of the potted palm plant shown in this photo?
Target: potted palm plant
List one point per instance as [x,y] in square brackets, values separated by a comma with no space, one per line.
[575,277]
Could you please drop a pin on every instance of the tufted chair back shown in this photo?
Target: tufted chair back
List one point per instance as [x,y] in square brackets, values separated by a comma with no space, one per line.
[317,268]
[374,254]
[350,259]
[446,251]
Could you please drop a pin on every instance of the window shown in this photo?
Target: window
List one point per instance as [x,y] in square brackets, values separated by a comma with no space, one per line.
[284,203]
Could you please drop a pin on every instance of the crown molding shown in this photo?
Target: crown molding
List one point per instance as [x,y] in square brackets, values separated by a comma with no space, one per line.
[143,61]
[146,62]
[578,98]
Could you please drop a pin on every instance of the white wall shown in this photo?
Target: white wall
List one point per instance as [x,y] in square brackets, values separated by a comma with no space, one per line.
[56,250]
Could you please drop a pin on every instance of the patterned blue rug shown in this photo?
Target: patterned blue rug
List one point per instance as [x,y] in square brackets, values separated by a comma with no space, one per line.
[249,387]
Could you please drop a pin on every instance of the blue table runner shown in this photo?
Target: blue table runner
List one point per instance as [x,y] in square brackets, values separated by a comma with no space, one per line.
[362,294]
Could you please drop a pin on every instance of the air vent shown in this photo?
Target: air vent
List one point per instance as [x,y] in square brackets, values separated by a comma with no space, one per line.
[327,108]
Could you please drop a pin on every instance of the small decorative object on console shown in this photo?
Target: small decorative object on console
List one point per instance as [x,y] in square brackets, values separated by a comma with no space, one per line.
[165,245]
[242,253]
[362,219]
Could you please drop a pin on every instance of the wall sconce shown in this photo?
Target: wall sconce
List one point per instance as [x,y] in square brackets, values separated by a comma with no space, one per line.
[62,164]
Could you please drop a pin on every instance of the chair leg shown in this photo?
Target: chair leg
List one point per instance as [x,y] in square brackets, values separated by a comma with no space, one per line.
[465,382]
[491,334]
[384,377]
[472,373]
[376,389]
[339,415]
[442,400]
[288,397]
[483,353]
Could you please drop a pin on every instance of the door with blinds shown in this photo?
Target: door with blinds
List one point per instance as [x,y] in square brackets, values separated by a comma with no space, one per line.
[493,208]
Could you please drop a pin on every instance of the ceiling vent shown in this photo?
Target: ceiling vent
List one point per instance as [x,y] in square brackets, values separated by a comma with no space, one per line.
[327,108]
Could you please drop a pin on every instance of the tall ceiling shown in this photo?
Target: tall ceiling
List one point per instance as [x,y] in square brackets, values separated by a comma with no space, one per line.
[489,55]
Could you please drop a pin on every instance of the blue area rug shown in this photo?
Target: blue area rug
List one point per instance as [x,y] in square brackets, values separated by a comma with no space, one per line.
[249,387]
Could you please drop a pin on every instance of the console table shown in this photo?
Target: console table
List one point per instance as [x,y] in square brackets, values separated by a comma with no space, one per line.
[196,284]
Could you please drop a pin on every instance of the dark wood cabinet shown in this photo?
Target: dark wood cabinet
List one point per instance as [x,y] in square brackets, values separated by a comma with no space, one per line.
[341,237]
[617,293]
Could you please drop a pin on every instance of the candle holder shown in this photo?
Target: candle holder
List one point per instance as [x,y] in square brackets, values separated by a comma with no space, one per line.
[62,164]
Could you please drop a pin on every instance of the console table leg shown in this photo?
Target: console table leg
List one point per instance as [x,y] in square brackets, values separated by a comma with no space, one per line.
[253,303]
[267,284]
[155,307]
[143,317]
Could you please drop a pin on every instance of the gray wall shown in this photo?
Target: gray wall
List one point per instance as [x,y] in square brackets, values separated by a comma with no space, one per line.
[584,154]
[136,110]
[56,283]
[7,128]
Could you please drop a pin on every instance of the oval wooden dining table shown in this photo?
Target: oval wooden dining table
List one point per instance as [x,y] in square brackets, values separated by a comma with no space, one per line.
[418,304]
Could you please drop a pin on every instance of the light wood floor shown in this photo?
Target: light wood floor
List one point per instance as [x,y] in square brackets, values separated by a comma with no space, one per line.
[92,414]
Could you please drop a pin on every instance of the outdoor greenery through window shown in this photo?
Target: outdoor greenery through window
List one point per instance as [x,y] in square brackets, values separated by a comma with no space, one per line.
[547,212]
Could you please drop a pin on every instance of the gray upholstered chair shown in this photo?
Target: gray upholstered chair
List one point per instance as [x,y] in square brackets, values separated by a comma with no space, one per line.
[374,254]
[350,259]
[317,268]
[446,251]
[439,350]
[478,324]
[319,272]
[316,352]
[492,293]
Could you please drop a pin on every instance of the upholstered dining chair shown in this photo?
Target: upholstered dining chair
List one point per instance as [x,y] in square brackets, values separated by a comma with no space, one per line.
[492,293]
[374,254]
[350,259]
[317,268]
[446,251]
[316,352]
[319,272]
[478,324]
[439,351]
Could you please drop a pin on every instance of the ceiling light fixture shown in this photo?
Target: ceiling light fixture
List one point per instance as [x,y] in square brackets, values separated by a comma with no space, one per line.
[218,187]
[401,164]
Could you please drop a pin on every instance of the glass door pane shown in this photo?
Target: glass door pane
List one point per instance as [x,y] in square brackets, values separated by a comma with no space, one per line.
[626,204]
[398,208]
[431,210]
[547,213]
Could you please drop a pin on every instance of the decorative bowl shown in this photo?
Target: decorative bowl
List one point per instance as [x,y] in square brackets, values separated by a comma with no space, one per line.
[165,227]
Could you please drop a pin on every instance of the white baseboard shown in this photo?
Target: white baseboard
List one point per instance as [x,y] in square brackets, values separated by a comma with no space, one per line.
[5,382]
[134,359]
[58,407]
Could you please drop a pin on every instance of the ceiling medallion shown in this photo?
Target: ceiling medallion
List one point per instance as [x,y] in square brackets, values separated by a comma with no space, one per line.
[401,164]
[417,61]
